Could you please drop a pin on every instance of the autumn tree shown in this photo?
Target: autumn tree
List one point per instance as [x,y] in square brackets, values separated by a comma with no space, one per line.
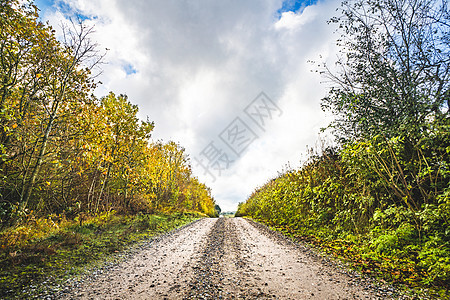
[43,82]
[393,73]
[123,141]
[62,150]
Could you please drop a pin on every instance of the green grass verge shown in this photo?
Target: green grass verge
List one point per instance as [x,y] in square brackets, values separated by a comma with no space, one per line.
[399,268]
[28,268]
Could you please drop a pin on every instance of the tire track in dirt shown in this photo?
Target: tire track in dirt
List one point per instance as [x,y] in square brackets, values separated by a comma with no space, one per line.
[288,270]
[228,259]
[160,270]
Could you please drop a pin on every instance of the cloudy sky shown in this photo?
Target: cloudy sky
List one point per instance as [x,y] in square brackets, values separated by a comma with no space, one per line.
[229,80]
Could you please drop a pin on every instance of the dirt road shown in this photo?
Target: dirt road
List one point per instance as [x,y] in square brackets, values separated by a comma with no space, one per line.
[226,259]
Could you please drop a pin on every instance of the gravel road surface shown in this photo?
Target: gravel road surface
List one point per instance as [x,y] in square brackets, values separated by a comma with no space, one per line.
[227,258]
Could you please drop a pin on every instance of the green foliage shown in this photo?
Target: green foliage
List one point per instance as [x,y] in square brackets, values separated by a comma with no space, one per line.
[217,209]
[393,68]
[381,199]
[385,199]
[395,240]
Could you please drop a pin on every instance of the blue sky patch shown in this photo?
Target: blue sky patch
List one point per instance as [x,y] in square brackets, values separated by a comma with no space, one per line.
[129,69]
[67,10]
[294,6]
[43,5]
[64,8]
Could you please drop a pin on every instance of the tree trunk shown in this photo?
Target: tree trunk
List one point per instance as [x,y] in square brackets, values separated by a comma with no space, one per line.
[105,183]
[26,196]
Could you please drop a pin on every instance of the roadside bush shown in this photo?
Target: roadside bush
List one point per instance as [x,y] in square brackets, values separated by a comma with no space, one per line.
[389,195]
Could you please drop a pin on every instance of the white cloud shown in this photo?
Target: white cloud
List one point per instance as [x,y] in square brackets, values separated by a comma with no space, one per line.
[199,64]
[294,21]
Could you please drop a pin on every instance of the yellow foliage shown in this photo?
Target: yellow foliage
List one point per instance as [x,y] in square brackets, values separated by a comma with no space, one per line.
[31,230]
